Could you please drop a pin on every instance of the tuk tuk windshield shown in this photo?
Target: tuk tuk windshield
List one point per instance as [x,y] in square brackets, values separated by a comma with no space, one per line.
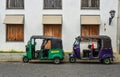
[77,42]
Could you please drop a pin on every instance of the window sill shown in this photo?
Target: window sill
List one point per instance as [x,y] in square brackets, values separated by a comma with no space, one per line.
[52,8]
[14,8]
[14,41]
[90,8]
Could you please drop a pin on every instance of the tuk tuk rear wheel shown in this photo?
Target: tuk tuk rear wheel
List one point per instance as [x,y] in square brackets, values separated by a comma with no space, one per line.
[106,61]
[57,60]
[72,60]
[25,60]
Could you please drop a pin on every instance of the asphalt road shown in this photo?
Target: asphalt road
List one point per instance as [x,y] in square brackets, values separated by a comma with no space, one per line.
[18,69]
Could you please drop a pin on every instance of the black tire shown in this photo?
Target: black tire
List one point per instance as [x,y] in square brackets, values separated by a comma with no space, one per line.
[72,60]
[25,60]
[106,61]
[57,60]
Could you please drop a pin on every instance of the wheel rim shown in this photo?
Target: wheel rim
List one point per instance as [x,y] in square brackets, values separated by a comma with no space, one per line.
[57,60]
[107,61]
[72,60]
[25,59]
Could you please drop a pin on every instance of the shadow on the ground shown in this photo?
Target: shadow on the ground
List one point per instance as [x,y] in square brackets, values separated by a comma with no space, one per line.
[98,63]
[84,62]
[47,63]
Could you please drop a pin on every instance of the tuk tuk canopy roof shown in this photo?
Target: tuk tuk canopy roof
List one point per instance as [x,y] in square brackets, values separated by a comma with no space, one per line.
[55,42]
[102,37]
[44,37]
[105,40]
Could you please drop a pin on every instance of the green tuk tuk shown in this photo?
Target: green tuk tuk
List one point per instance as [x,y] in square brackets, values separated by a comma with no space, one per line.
[54,53]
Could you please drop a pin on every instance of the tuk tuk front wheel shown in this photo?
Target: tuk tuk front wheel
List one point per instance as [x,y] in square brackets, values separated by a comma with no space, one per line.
[72,60]
[106,61]
[25,60]
[57,60]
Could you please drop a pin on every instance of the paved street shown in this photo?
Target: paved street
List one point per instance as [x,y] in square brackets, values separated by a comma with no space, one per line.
[18,69]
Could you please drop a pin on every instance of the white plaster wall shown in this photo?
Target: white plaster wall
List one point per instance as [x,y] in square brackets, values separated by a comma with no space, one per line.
[71,11]
[5,46]
[111,30]
[118,27]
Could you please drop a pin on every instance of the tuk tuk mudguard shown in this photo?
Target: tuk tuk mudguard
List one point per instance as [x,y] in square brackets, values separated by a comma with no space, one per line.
[28,56]
[59,54]
[71,55]
[106,53]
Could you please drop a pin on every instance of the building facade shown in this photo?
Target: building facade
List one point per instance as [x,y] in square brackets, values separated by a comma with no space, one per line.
[118,28]
[66,19]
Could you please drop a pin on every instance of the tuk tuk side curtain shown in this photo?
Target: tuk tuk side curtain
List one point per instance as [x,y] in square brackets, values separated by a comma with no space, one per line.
[107,43]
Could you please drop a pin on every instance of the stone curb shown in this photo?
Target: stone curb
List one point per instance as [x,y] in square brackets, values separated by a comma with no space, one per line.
[17,57]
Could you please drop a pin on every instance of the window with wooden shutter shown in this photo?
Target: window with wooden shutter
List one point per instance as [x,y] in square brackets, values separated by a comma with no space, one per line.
[52,4]
[52,30]
[90,4]
[14,32]
[87,30]
[15,4]
[94,30]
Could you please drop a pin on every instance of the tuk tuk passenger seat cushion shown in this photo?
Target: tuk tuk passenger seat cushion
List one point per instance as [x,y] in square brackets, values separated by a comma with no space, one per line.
[45,51]
[86,53]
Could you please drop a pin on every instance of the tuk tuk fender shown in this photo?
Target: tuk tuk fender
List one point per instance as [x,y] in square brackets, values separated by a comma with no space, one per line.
[71,55]
[25,59]
[57,56]
[107,56]
[25,55]
[72,58]
[106,53]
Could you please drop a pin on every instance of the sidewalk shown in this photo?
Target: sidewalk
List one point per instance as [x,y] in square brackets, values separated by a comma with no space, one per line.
[11,57]
[117,57]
